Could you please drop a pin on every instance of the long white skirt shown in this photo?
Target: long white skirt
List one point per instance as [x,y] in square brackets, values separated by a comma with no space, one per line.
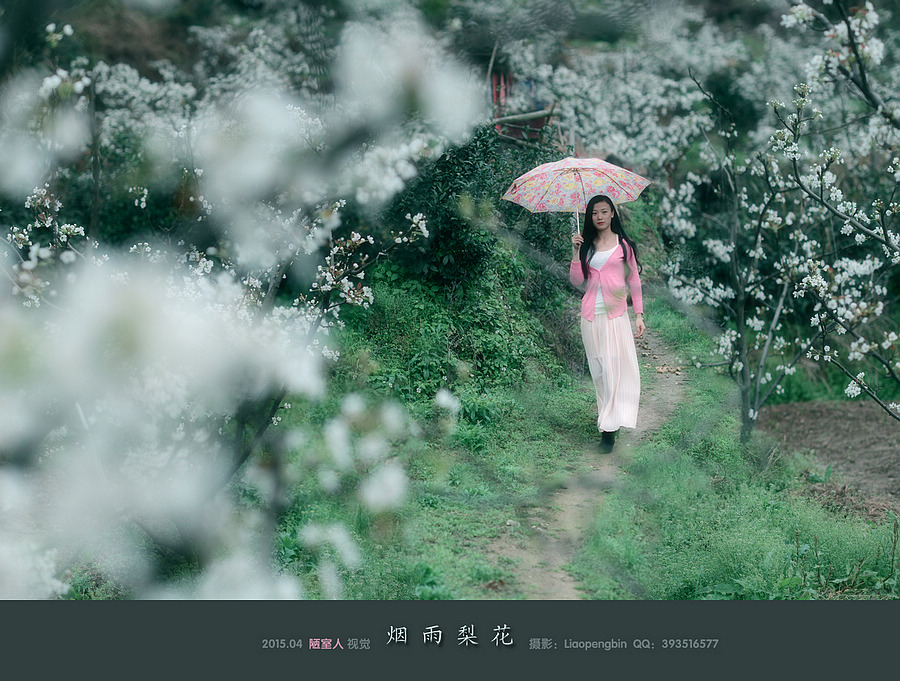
[612,359]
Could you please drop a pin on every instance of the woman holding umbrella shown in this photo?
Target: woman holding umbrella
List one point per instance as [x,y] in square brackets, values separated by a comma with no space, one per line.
[605,260]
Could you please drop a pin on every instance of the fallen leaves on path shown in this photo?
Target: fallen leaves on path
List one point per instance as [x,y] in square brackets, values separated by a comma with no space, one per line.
[668,369]
[665,368]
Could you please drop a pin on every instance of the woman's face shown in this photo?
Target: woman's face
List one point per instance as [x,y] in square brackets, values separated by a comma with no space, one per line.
[602,216]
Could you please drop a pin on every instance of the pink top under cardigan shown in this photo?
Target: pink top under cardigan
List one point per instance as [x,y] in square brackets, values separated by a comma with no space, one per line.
[613,284]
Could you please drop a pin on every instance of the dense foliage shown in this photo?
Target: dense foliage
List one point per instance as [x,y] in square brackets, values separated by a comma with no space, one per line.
[255,252]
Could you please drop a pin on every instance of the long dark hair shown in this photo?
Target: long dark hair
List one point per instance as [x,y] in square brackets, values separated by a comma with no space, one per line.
[589,233]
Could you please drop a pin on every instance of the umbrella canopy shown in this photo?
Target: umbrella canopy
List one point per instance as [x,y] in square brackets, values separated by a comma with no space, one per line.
[568,185]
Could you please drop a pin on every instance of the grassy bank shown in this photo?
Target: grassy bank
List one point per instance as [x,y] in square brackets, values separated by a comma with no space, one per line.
[470,480]
[700,516]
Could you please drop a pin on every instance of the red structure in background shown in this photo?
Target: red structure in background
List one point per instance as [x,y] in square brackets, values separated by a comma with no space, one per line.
[501,84]
[501,88]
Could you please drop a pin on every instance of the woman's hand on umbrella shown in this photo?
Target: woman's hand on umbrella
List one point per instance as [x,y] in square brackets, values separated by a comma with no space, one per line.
[577,240]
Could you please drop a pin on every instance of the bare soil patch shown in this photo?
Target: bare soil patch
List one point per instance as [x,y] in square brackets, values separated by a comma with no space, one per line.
[543,542]
[857,439]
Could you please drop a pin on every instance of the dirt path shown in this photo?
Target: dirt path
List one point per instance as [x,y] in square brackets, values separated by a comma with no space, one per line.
[556,530]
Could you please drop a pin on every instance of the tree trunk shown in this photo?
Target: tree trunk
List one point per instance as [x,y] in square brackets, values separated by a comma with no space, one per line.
[95,162]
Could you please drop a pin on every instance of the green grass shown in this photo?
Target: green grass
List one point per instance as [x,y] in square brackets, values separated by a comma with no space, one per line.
[466,484]
[702,516]
[698,514]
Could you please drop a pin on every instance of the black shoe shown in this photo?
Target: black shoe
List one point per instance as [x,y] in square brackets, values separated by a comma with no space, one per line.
[607,441]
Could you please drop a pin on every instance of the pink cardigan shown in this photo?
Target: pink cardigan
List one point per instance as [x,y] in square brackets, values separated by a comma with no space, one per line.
[613,284]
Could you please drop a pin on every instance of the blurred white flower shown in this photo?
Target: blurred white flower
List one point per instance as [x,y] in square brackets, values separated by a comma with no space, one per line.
[245,577]
[446,400]
[393,418]
[372,447]
[353,406]
[315,536]
[70,133]
[329,580]
[384,489]
[386,71]
[23,153]
[337,437]
[250,148]
[28,572]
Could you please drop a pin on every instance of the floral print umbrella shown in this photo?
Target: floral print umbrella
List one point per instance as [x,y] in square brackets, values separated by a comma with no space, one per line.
[568,185]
